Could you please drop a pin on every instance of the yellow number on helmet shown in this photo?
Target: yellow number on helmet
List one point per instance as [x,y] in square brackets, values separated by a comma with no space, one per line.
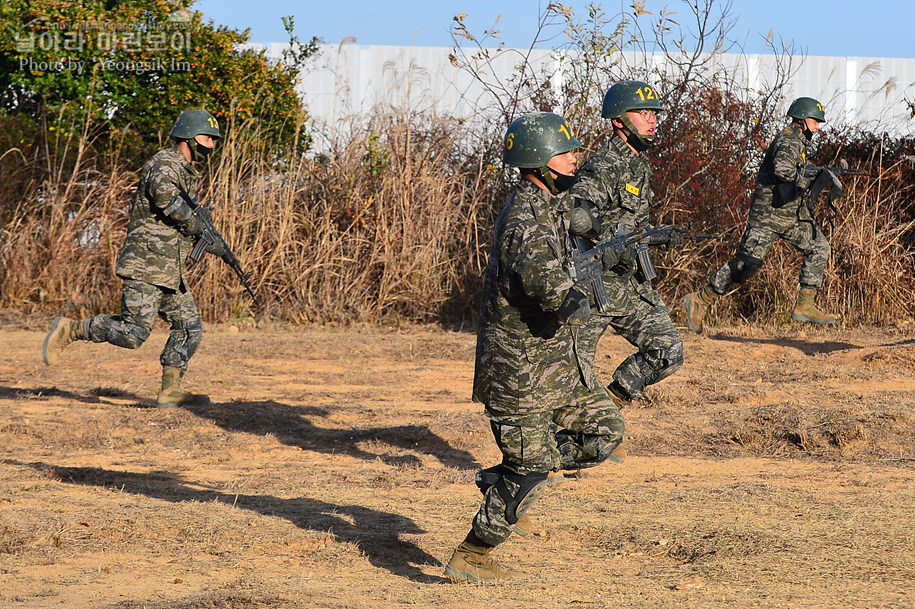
[510,141]
[564,129]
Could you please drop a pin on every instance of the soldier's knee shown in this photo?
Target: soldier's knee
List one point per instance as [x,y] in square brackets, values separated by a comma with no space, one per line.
[194,328]
[518,491]
[665,361]
[133,338]
[743,267]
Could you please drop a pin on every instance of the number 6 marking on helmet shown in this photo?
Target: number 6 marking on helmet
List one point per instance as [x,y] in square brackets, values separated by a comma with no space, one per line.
[510,141]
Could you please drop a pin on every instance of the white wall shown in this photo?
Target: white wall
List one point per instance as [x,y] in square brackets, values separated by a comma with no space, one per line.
[346,80]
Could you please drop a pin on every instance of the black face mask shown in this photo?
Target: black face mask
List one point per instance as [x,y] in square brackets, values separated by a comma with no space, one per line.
[564,182]
[638,142]
[199,152]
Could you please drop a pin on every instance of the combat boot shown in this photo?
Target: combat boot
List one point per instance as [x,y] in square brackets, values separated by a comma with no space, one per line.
[472,563]
[806,310]
[697,304]
[171,395]
[63,332]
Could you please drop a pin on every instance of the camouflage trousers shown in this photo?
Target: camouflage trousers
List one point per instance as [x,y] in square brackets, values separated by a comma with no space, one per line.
[580,435]
[758,238]
[647,327]
[141,303]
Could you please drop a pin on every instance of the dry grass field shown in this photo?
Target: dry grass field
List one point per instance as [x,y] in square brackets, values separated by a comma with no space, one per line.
[334,469]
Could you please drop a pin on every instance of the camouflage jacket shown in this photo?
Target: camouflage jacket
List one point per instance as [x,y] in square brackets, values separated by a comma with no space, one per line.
[155,249]
[526,360]
[780,185]
[615,184]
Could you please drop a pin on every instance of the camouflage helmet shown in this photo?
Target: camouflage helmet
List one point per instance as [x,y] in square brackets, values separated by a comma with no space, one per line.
[629,95]
[807,107]
[195,122]
[535,138]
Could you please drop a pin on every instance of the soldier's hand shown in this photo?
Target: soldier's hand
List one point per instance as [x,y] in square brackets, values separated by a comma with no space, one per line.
[575,309]
[217,247]
[675,240]
[627,260]
[610,258]
[583,222]
[805,177]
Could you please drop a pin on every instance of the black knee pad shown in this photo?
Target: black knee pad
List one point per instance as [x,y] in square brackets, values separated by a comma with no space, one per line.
[743,267]
[194,330]
[664,362]
[530,487]
[485,478]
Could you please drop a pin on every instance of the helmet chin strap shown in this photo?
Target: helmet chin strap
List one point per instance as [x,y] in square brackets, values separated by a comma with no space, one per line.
[199,152]
[805,129]
[555,184]
[635,139]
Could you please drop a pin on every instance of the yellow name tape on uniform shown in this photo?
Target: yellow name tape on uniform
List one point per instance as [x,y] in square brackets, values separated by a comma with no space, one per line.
[633,189]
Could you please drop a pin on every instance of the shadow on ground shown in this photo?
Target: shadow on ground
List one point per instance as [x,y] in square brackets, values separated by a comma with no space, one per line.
[290,425]
[377,534]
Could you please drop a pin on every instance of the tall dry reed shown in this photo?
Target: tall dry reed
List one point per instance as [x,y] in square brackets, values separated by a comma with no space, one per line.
[392,223]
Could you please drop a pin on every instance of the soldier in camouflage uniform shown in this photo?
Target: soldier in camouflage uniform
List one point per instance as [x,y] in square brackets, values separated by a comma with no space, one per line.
[614,191]
[160,234]
[546,409]
[779,210]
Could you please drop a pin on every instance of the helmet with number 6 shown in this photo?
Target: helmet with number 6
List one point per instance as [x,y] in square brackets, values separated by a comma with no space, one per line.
[533,139]
[195,122]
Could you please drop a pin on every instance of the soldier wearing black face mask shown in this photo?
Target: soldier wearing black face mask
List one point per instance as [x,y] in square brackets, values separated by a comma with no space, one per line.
[779,210]
[160,234]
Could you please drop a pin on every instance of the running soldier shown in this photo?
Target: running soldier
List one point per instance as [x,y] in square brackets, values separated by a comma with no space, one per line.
[160,234]
[779,210]
[614,191]
[546,409]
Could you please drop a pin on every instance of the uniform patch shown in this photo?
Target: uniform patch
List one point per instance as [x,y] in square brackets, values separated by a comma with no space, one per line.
[632,189]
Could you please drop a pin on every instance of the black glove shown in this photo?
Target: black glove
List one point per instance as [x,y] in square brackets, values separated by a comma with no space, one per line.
[575,309]
[805,176]
[583,222]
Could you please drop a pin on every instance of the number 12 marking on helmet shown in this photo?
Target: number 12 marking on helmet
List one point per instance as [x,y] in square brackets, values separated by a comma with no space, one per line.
[647,93]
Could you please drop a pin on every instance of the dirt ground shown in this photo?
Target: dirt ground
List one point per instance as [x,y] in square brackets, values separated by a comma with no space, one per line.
[334,469]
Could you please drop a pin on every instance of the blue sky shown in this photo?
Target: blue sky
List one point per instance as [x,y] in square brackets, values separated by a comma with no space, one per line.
[857,28]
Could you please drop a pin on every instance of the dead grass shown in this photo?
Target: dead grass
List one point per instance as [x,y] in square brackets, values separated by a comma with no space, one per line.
[334,469]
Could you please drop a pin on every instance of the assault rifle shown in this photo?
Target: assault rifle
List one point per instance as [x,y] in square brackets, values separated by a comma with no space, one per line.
[587,263]
[209,238]
[663,237]
[828,176]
